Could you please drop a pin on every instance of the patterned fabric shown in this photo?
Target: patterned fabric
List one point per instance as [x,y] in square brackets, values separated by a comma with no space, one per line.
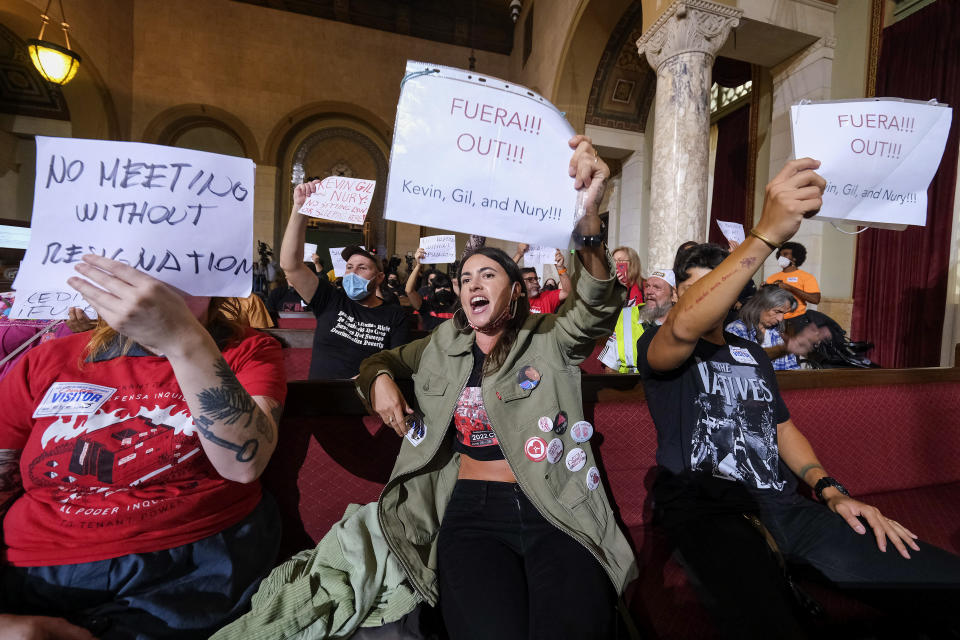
[771,338]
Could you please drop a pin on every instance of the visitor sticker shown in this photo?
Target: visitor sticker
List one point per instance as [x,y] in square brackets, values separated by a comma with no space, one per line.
[741,355]
[72,399]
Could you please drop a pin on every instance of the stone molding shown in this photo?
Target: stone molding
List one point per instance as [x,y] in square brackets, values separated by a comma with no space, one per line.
[688,26]
[822,48]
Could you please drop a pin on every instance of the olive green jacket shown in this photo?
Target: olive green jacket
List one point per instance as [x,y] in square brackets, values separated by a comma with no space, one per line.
[413,501]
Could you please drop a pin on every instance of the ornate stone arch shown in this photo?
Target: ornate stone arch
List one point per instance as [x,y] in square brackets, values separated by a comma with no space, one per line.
[168,125]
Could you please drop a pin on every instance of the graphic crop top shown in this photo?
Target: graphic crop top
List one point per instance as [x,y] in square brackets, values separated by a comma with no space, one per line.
[473,435]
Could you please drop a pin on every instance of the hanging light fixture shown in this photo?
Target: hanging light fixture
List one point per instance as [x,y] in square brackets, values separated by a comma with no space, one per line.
[55,63]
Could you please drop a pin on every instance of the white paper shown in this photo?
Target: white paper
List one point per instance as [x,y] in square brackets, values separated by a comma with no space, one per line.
[539,255]
[308,250]
[439,249]
[340,199]
[475,154]
[877,156]
[732,231]
[183,216]
[339,264]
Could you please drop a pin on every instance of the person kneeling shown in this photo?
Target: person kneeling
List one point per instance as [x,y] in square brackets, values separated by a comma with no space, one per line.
[137,449]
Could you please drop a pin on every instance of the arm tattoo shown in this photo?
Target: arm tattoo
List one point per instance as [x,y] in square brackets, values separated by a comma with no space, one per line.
[11,484]
[808,468]
[230,403]
[747,263]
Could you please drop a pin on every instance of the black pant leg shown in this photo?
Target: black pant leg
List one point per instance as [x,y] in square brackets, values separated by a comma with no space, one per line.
[570,594]
[737,577]
[483,586]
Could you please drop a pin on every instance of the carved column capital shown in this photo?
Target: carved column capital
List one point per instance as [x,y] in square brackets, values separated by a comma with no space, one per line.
[688,26]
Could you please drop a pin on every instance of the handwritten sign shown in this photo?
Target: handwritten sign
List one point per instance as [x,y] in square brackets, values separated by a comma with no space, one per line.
[476,154]
[539,255]
[340,199]
[439,249]
[877,156]
[339,264]
[308,250]
[732,231]
[183,216]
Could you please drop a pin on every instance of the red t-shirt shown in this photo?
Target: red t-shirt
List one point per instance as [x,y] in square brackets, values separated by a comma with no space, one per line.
[127,476]
[546,302]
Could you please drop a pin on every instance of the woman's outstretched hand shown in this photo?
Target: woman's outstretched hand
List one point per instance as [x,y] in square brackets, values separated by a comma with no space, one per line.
[388,403]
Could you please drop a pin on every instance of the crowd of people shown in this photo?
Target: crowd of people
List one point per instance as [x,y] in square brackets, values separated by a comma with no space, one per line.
[131,448]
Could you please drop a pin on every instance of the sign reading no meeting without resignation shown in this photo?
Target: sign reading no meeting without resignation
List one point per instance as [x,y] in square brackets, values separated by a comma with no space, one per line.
[476,154]
[183,216]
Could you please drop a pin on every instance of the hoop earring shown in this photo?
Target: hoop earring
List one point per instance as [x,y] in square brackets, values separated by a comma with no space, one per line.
[514,304]
[460,326]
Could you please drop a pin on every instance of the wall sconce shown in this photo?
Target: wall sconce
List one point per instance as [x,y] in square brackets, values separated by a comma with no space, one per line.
[55,63]
[515,7]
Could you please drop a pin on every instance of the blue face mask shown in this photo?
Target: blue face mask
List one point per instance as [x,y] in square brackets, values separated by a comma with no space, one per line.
[355,287]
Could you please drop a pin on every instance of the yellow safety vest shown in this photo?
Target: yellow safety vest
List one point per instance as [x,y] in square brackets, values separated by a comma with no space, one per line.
[628,331]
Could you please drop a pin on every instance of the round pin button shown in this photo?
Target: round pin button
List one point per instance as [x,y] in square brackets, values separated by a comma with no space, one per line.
[576,459]
[536,449]
[560,423]
[554,451]
[593,478]
[581,431]
[545,424]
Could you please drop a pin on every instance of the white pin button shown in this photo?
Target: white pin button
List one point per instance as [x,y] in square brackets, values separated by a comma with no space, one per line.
[593,478]
[576,459]
[554,451]
[582,431]
[545,424]
[536,448]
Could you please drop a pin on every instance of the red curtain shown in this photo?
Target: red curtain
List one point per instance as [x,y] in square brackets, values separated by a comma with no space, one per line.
[900,284]
[730,172]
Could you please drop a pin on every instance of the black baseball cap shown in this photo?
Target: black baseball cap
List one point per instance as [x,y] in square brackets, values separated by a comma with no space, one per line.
[354,249]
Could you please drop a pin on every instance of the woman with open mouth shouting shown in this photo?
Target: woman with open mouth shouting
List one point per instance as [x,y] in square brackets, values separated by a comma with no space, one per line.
[495,507]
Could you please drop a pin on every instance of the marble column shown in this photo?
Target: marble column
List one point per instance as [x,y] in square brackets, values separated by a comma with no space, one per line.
[681,46]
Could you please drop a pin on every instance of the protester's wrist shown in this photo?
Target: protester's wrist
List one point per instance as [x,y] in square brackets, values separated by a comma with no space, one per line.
[189,341]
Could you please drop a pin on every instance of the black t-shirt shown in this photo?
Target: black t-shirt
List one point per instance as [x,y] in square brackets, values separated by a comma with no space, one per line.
[433,314]
[716,417]
[284,300]
[474,436]
[347,332]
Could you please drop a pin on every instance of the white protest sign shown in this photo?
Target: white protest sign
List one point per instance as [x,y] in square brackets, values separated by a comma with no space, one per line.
[339,264]
[877,156]
[476,154]
[340,199]
[308,250]
[183,216]
[538,255]
[439,249]
[732,231]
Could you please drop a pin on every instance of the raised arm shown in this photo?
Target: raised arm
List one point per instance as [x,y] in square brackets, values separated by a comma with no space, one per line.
[411,287]
[239,431]
[565,285]
[793,194]
[298,273]
[521,250]
[810,297]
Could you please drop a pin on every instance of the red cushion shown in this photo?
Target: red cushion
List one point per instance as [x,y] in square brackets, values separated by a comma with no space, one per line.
[296,323]
[297,363]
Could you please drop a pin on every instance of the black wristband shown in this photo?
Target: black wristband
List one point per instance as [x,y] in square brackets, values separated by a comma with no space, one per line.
[825,482]
[595,240]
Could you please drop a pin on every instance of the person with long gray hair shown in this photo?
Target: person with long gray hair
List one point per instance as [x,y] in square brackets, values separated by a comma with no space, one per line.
[761,321]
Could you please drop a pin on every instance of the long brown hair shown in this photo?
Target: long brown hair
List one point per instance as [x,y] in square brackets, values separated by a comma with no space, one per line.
[501,348]
[634,269]
[224,323]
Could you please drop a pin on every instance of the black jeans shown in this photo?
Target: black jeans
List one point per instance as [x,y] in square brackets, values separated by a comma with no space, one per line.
[741,583]
[505,572]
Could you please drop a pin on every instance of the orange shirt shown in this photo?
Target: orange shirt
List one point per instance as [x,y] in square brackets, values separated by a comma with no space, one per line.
[801,280]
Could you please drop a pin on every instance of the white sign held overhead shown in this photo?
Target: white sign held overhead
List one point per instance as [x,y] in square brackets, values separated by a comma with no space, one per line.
[539,255]
[439,249]
[183,216]
[339,264]
[732,231]
[475,154]
[308,250]
[877,156]
[340,199]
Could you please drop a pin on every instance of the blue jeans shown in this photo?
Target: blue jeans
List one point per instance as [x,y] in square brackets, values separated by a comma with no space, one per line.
[189,591]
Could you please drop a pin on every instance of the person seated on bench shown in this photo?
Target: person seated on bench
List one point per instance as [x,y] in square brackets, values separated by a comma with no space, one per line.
[495,506]
[129,460]
[761,321]
[727,448]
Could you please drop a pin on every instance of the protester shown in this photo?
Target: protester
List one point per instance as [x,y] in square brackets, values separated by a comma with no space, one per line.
[394,286]
[761,321]
[137,449]
[728,449]
[440,304]
[660,294]
[537,543]
[541,300]
[250,311]
[801,284]
[283,298]
[352,322]
[427,288]
[628,273]
[550,285]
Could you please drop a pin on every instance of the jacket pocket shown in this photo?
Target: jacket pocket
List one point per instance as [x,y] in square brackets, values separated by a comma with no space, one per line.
[432,384]
[586,506]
